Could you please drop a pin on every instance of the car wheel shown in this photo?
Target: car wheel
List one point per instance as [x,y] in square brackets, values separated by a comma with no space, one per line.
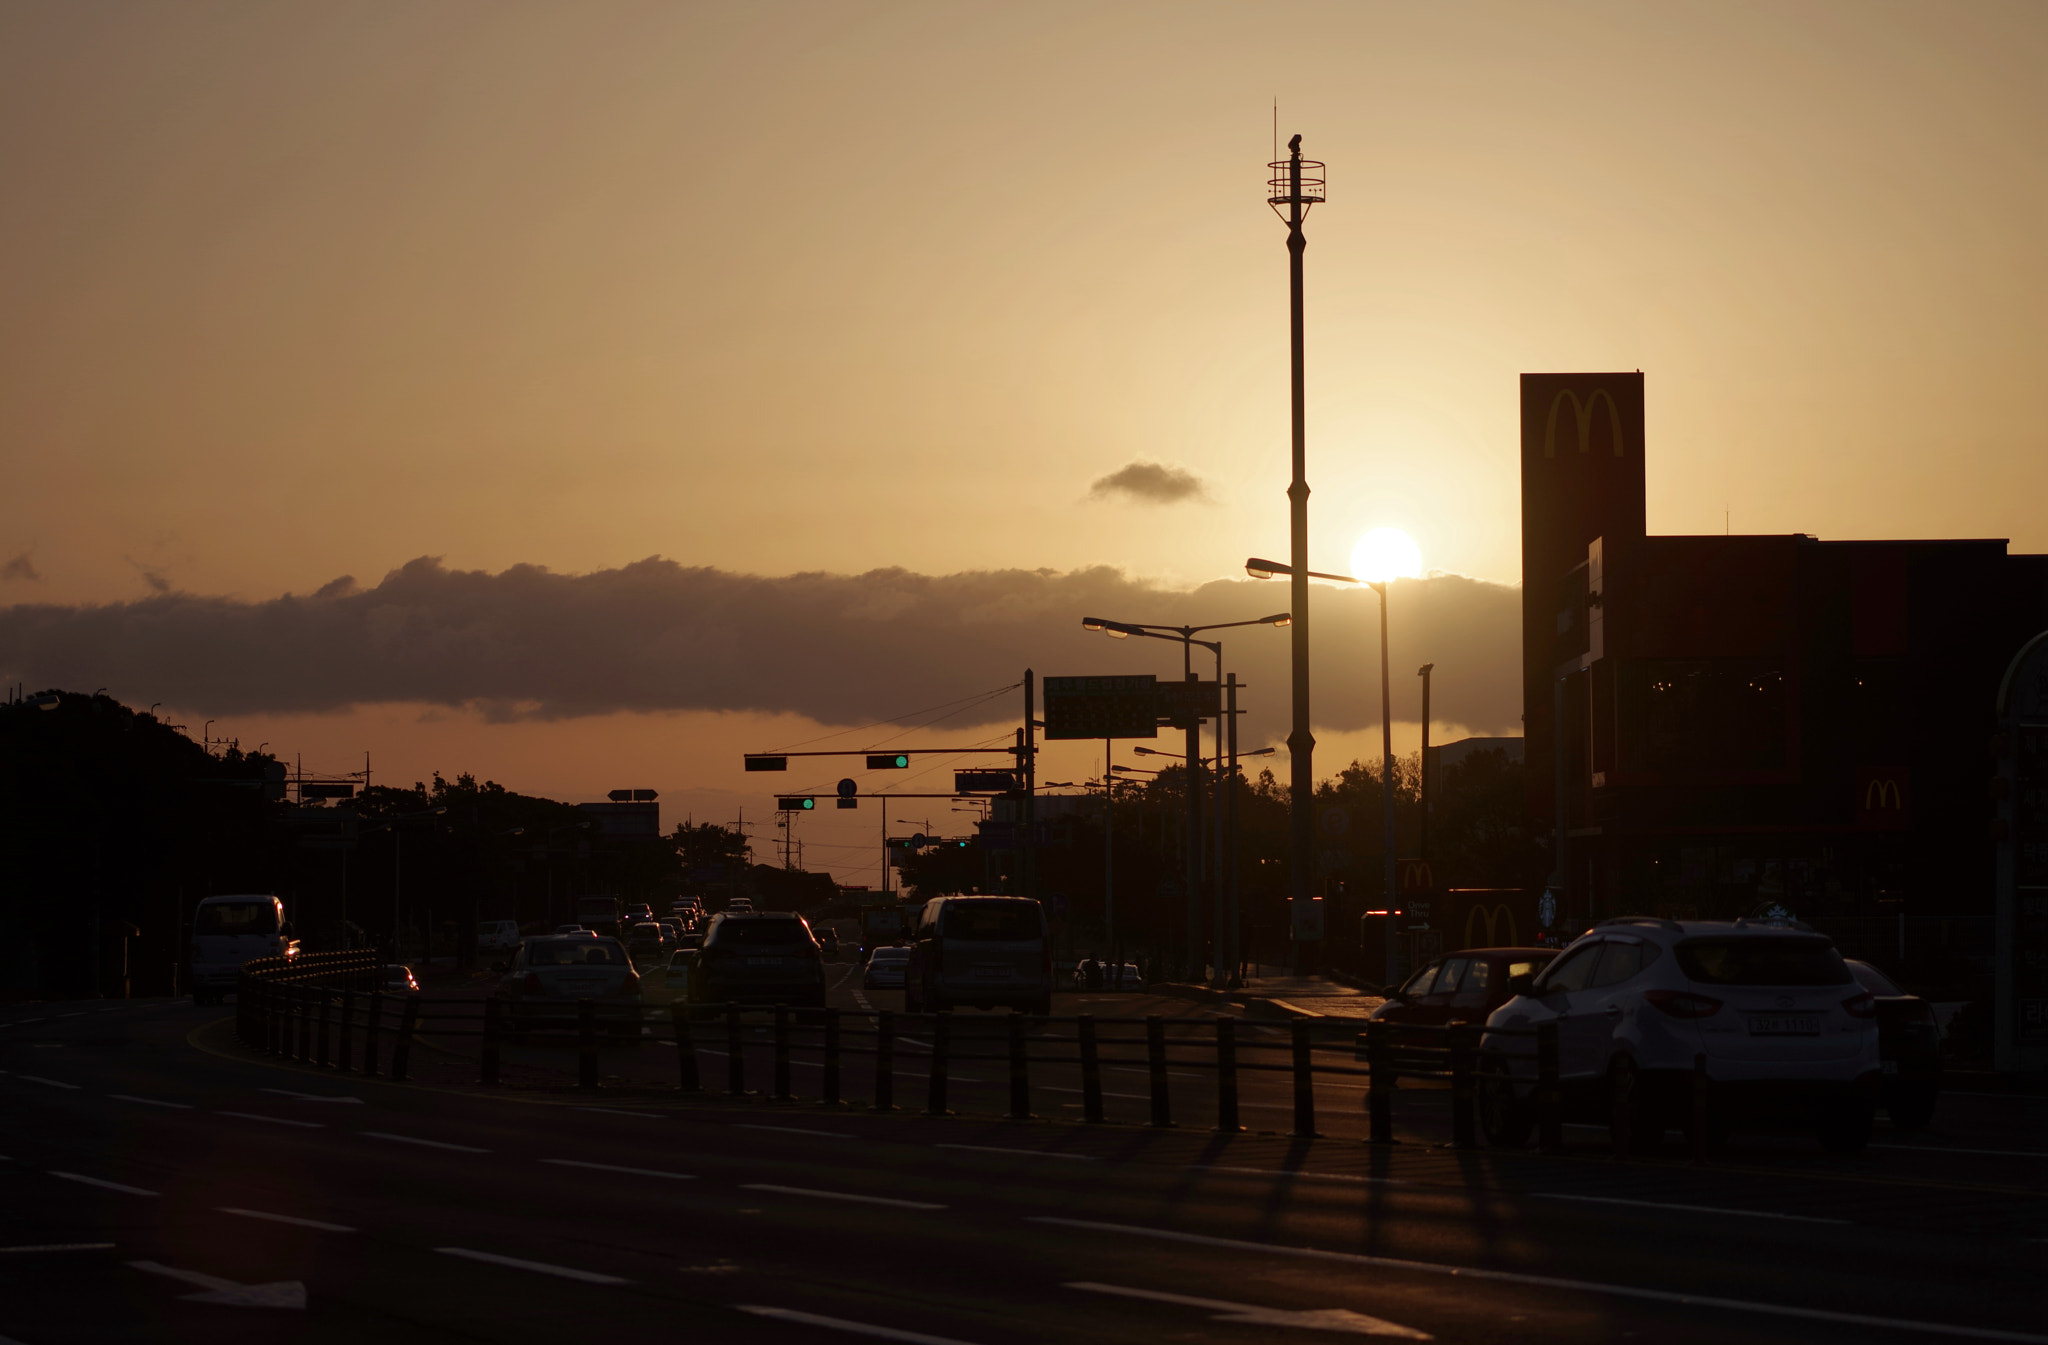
[1504,1119]
[1912,1106]
[1845,1123]
[1634,1121]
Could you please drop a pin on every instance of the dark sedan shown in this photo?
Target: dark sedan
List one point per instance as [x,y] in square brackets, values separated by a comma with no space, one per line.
[1461,987]
[759,957]
[1908,1047]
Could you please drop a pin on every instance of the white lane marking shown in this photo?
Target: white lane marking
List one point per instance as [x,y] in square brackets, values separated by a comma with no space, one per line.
[46,1046]
[1289,1172]
[613,1167]
[315,1097]
[79,1014]
[614,1111]
[794,1130]
[1933,1149]
[538,1267]
[61,1247]
[901,1073]
[95,1181]
[1687,1209]
[1135,1097]
[24,1022]
[149,1101]
[414,1139]
[292,1219]
[277,1294]
[840,1195]
[1022,1153]
[54,1083]
[1543,1281]
[274,1120]
[1341,1320]
[851,1328]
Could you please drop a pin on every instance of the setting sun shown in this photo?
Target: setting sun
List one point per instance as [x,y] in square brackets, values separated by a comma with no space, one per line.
[1386,553]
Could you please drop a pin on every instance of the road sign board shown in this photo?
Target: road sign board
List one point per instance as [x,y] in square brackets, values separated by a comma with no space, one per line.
[1101,707]
[759,763]
[1185,704]
[984,782]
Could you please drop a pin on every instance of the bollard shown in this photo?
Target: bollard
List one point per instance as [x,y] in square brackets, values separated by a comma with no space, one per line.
[782,1053]
[1379,1098]
[326,1004]
[1226,1075]
[1304,1082]
[1020,1071]
[885,1061]
[1155,1061]
[735,1054]
[348,1023]
[586,1043]
[935,1095]
[401,1050]
[829,1090]
[490,1051]
[374,1021]
[1091,1068]
[686,1049]
[1549,1103]
[1464,1055]
[1702,1108]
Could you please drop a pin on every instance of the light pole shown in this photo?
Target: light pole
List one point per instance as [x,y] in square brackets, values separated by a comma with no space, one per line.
[1122,630]
[1297,184]
[393,825]
[1267,569]
[1422,848]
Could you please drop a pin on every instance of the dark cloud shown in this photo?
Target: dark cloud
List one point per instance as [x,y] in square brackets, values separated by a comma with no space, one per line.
[655,635]
[22,566]
[1150,483]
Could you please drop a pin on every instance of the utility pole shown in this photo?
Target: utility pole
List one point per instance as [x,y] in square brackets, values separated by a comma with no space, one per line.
[1030,765]
[1109,850]
[1423,672]
[1298,186]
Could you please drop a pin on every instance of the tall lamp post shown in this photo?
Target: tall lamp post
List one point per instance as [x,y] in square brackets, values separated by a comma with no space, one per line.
[1123,630]
[1269,569]
[1296,185]
[1423,672]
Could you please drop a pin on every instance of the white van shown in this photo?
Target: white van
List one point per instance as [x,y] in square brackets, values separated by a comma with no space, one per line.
[980,952]
[497,936]
[228,931]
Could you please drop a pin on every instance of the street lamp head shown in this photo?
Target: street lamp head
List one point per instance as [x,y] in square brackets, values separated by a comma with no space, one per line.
[1277,619]
[1260,752]
[1095,623]
[1424,670]
[1267,569]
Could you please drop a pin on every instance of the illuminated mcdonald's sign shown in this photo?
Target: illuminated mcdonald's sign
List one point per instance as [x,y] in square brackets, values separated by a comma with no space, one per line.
[1491,919]
[1582,420]
[1882,794]
[1415,875]
[1884,799]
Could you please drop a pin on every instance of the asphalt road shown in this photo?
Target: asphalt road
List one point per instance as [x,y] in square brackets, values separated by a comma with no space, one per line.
[161,1185]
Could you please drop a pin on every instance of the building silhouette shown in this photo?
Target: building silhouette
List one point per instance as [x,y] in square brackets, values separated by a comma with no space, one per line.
[1732,724]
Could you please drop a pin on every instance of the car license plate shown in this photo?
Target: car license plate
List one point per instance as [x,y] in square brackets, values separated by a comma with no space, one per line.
[1784,1025]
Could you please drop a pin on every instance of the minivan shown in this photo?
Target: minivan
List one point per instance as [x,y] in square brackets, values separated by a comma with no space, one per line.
[230,930]
[981,952]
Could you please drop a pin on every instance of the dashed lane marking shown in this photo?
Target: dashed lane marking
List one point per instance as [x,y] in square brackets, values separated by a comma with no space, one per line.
[291,1219]
[794,1130]
[614,1167]
[414,1139]
[1021,1153]
[1306,1176]
[1546,1281]
[150,1101]
[59,1247]
[850,1328]
[104,1185]
[1340,1320]
[538,1267]
[614,1111]
[52,1083]
[1683,1209]
[1134,1097]
[840,1195]
[315,1097]
[1933,1149]
[274,1120]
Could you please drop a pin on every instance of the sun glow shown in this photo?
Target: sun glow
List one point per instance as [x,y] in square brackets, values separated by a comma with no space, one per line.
[1386,553]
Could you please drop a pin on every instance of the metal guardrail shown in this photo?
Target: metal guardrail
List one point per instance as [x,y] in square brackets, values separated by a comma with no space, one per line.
[314,1009]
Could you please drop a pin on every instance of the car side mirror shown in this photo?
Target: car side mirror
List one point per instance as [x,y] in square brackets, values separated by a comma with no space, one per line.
[1525,984]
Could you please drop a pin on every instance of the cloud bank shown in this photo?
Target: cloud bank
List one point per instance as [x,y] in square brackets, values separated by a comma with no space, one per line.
[658,636]
[1149,483]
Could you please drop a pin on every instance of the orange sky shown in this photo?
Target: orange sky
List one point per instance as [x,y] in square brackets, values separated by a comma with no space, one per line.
[293,291]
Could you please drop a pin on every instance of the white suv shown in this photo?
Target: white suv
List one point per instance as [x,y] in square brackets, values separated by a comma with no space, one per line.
[1767,1008]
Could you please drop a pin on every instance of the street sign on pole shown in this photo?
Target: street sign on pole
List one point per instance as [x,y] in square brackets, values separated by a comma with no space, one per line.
[1102,707]
[984,782]
[1185,704]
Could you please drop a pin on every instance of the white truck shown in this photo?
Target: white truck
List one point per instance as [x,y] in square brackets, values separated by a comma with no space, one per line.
[228,931]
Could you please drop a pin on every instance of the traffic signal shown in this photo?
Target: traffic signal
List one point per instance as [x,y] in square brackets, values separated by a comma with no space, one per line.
[757,762]
[888,761]
[796,805]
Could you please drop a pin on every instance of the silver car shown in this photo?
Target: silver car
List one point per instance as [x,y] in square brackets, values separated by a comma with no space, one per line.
[550,975]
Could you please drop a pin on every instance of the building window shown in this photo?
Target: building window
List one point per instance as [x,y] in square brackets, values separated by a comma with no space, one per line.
[1683,716]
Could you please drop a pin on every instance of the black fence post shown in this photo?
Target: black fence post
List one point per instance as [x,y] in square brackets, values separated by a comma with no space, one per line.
[1226,1075]
[1464,1056]
[735,1053]
[1549,1103]
[1379,1098]
[401,1050]
[326,1008]
[935,1094]
[490,1051]
[782,1053]
[1155,1061]
[348,1025]
[586,1043]
[375,1021]
[1091,1068]
[885,1061]
[304,995]
[828,1092]
[686,1049]
[1304,1081]
[1020,1071]
[1702,1109]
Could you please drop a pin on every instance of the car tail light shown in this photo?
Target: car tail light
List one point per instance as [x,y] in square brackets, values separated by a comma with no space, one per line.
[532,984]
[1680,1004]
[1862,1005]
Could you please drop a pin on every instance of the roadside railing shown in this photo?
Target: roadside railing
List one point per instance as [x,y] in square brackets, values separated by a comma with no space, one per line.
[319,1015]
